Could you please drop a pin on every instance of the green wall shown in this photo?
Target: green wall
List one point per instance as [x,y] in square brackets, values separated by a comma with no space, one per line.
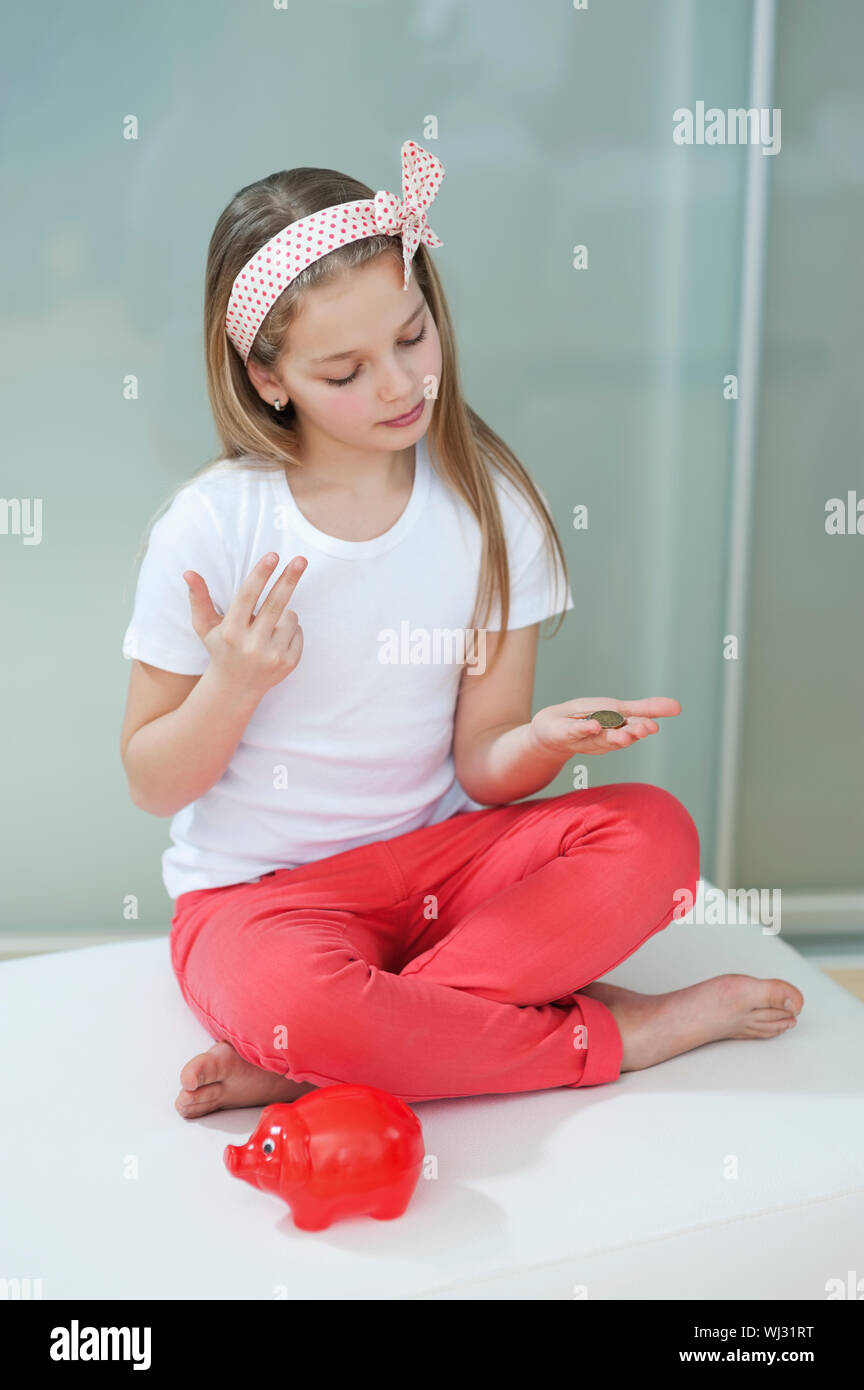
[555,129]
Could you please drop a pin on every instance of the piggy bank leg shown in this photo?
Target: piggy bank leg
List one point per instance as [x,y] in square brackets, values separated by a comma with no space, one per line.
[312,1217]
[318,1217]
[393,1202]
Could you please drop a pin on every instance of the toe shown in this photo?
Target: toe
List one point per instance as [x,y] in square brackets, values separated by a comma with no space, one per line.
[765,1028]
[206,1068]
[793,998]
[190,1104]
[781,1026]
[198,1072]
[785,996]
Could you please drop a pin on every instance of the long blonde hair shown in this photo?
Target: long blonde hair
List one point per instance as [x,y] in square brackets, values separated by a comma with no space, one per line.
[251,429]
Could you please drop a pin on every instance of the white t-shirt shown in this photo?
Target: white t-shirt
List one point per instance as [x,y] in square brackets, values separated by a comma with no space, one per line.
[354,745]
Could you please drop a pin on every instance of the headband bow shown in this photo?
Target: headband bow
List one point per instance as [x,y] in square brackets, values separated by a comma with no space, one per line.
[281,259]
[421,178]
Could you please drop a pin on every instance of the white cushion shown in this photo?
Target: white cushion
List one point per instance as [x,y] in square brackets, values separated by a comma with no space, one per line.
[613,1191]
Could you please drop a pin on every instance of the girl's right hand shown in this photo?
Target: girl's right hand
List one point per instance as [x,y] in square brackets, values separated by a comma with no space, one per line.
[251,654]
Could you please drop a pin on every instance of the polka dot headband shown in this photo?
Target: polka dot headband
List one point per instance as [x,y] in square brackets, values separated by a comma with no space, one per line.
[266,275]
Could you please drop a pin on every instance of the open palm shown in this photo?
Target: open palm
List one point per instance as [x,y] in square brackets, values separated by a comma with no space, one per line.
[558,728]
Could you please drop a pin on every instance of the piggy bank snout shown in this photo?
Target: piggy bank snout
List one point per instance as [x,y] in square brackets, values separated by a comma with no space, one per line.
[241,1161]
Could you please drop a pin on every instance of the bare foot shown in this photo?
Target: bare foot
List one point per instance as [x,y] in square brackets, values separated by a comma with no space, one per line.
[220,1079]
[655,1027]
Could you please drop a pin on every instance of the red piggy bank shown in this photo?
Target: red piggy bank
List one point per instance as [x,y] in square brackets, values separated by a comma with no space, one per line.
[338,1151]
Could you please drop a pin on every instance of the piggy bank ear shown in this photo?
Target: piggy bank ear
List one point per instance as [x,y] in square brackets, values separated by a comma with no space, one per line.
[274,1115]
[296,1141]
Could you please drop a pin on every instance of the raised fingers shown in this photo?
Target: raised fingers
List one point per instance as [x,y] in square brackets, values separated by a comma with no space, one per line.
[243,602]
[246,597]
[279,596]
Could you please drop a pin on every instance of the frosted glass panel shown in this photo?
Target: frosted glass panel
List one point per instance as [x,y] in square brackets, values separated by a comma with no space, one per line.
[801,819]
[555,127]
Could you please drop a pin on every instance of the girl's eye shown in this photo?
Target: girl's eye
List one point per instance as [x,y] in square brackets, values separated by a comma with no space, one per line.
[346,380]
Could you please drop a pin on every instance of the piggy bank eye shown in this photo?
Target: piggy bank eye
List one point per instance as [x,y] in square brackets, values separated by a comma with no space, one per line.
[268,1146]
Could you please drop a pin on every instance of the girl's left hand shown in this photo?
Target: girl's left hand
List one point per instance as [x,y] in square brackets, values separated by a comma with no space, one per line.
[557,733]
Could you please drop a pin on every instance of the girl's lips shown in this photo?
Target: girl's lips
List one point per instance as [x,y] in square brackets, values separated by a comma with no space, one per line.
[407,419]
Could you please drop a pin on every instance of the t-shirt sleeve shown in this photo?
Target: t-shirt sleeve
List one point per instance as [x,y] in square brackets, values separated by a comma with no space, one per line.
[188,536]
[538,588]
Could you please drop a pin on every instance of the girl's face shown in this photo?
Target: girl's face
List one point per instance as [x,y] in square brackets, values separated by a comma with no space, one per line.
[359,353]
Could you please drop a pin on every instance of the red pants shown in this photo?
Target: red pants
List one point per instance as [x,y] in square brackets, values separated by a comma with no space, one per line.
[446,961]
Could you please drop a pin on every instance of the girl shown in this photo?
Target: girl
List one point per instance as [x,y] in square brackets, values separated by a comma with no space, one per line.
[361,895]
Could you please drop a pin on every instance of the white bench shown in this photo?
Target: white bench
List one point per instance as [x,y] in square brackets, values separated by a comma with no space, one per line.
[621,1191]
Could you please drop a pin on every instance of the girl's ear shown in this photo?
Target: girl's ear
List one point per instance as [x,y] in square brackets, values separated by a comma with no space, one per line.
[264,382]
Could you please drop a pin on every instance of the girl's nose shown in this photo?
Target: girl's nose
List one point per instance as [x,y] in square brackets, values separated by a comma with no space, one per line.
[395,384]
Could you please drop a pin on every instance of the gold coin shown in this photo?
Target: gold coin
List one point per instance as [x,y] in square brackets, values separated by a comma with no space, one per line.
[608,718]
